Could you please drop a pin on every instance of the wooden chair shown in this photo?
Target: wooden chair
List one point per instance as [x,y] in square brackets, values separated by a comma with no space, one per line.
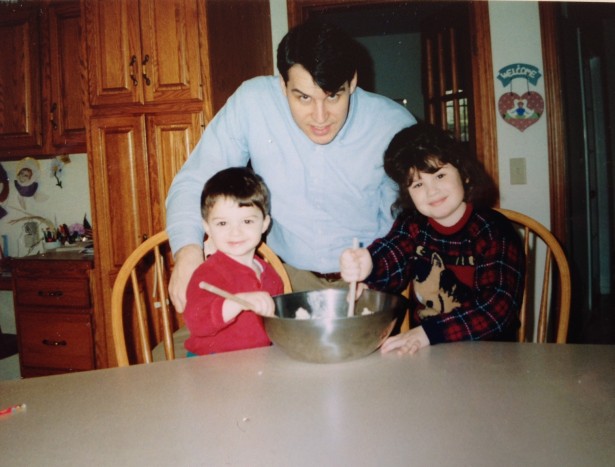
[147,311]
[554,297]
[553,311]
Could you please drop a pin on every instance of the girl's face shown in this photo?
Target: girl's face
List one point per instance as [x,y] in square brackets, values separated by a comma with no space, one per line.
[439,195]
[235,230]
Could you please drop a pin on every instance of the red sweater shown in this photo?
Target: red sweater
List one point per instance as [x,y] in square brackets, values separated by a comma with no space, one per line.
[203,314]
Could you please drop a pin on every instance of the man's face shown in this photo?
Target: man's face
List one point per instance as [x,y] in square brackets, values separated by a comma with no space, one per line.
[319,115]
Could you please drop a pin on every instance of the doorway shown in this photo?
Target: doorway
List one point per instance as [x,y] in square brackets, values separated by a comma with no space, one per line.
[587,38]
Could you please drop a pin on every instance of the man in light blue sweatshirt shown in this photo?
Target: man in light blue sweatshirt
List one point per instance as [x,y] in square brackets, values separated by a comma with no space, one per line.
[318,142]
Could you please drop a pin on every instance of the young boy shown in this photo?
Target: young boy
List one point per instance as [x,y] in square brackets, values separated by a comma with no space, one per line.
[235,210]
[465,260]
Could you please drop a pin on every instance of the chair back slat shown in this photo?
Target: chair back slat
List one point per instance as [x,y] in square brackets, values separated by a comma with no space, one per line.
[161,287]
[142,327]
[521,334]
[544,299]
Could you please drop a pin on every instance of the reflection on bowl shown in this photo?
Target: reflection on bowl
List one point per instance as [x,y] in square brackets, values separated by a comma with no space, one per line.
[330,335]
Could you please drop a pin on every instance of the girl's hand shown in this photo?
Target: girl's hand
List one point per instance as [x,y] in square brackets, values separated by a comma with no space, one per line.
[355,264]
[407,343]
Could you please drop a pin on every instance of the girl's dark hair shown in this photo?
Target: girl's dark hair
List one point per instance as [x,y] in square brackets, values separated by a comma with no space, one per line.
[237,183]
[326,52]
[426,148]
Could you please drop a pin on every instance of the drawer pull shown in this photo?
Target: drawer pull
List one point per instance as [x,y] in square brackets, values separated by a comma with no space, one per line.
[51,293]
[54,343]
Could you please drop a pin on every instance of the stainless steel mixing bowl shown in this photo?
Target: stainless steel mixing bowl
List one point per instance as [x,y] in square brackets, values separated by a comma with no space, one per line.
[330,335]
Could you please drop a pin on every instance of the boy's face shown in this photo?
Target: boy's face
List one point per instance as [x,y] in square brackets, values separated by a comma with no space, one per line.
[319,115]
[234,230]
[439,195]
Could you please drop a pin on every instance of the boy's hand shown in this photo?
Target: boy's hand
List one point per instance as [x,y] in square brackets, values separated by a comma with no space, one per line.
[355,264]
[261,303]
[407,343]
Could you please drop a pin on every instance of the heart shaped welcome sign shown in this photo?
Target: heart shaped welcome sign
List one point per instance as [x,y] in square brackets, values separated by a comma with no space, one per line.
[521,111]
[525,110]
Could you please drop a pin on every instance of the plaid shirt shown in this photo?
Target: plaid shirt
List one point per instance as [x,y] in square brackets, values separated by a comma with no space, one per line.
[484,292]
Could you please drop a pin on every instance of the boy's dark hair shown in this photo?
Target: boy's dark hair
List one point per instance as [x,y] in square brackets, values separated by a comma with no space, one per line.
[426,148]
[240,184]
[326,52]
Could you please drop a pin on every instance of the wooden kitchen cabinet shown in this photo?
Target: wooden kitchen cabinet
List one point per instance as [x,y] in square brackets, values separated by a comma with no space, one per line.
[54,313]
[41,79]
[143,51]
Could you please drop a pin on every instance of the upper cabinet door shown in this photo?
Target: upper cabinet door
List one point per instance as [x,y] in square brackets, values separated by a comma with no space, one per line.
[170,61]
[67,80]
[20,80]
[142,52]
[113,52]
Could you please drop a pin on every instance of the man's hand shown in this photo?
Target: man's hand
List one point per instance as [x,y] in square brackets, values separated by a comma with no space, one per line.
[187,259]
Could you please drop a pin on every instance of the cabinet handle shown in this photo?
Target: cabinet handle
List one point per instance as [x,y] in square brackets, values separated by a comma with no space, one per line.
[144,237]
[53,343]
[52,119]
[145,77]
[133,75]
[51,293]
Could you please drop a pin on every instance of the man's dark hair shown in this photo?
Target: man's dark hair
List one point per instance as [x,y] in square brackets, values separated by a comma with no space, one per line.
[426,148]
[240,184]
[326,52]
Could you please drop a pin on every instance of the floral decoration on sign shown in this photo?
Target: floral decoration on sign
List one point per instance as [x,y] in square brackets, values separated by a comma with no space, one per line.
[57,168]
[520,110]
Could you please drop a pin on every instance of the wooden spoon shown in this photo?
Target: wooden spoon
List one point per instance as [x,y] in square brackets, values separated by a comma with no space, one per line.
[223,293]
[353,285]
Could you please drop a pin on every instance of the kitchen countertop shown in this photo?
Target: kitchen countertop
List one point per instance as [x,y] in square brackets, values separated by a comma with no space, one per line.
[73,253]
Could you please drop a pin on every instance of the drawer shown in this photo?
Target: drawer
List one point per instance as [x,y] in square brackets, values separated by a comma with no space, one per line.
[55,340]
[53,292]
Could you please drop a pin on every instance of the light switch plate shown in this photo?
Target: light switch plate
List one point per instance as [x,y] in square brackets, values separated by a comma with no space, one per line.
[517,171]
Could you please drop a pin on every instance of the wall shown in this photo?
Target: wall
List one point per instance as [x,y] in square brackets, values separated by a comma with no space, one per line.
[512,42]
[61,205]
